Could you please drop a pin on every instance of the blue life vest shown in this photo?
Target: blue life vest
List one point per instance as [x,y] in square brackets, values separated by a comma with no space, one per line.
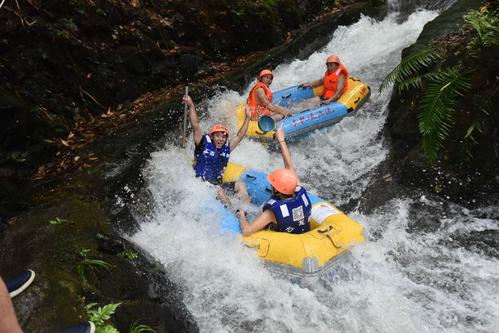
[210,161]
[292,214]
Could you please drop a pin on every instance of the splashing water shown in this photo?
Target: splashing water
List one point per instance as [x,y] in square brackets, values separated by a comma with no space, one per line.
[396,282]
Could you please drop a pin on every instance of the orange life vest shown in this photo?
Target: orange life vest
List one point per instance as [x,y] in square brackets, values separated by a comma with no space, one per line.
[331,80]
[258,110]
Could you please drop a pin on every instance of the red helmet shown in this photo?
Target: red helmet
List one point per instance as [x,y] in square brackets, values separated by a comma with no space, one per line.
[219,128]
[265,72]
[284,181]
[333,58]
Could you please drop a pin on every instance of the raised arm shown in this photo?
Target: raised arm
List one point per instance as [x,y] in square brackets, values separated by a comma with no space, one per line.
[242,131]
[286,156]
[193,118]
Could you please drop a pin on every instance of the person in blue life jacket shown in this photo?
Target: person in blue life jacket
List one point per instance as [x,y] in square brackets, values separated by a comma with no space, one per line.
[212,153]
[289,207]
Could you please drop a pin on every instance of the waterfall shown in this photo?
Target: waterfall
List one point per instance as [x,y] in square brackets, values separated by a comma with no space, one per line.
[397,281]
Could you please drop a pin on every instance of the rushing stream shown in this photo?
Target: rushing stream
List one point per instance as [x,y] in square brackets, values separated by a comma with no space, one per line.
[398,281]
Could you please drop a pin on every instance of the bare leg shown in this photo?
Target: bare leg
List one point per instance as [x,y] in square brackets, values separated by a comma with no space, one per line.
[222,196]
[279,113]
[277,116]
[8,320]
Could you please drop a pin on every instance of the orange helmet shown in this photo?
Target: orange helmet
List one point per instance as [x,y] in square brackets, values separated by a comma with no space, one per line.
[219,128]
[265,72]
[333,58]
[284,181]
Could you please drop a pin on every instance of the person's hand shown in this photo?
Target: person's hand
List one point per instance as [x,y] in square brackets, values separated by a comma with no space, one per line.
[188,101]
[241,213]
[248,111]
[279,133]
[327,101]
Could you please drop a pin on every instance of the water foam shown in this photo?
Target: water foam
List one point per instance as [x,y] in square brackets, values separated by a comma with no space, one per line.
[397,281]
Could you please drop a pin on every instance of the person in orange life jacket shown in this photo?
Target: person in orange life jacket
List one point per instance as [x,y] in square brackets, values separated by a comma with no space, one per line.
[212,153]
[260,98]
[335,81]
[289,207]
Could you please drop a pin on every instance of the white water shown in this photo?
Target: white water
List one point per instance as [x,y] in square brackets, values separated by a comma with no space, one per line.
[395,282]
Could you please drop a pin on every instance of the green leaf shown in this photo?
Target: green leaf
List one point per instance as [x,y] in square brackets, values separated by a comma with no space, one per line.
[96,263]
[141,328]
[410,65]
[130,254]
[470,130]
[437,108]
[57,221]
[100,315]
[84,252]
[106,329]
[486,26]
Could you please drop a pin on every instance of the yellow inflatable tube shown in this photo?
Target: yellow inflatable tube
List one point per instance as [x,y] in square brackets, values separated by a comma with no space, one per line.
[332,233]
[357,94]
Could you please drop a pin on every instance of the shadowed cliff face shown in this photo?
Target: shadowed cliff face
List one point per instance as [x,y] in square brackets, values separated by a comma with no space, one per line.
[471,183]
[65,66]
[61,61]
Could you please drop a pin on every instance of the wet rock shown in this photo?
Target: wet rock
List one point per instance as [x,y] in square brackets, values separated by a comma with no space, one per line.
[423,218]
[56,252]
[474,183]
[484,241]
[109,245]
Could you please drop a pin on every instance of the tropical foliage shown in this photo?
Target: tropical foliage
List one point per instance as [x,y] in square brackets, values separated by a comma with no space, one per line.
[444,85]
[87,264]
[101,316]
[405,75]
[486,26]
[437,108]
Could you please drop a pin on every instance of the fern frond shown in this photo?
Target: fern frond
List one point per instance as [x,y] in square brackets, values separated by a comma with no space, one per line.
[474,130]
[437,108]
[410,65]
[486,25]
[415,82]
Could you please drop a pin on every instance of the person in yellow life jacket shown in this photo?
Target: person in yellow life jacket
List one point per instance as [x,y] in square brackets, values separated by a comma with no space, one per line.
[260,98]
[335,80]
